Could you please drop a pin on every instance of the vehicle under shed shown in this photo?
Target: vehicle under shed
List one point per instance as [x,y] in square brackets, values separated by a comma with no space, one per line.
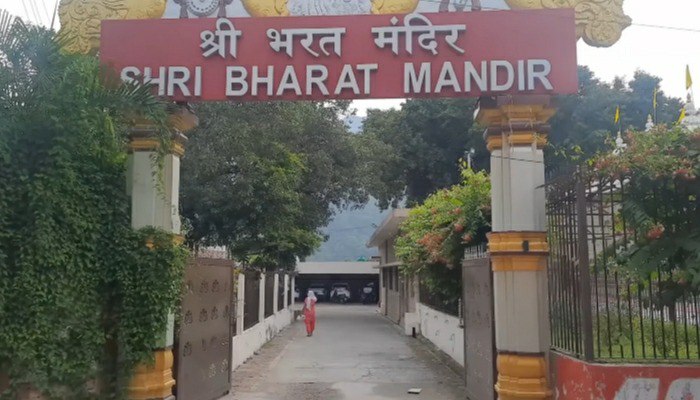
[357,275]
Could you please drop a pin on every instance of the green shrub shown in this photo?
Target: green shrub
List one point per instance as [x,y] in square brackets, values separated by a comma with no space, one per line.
[436,233]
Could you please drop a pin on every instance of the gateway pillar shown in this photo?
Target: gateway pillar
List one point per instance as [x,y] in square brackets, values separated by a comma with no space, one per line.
[516,134]
[154,191]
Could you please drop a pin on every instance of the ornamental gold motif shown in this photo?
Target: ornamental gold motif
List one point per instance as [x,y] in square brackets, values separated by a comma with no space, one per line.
[598,22]
[277,8]
[81,20]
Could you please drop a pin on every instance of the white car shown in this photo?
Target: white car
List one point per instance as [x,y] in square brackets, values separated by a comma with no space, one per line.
[340,293]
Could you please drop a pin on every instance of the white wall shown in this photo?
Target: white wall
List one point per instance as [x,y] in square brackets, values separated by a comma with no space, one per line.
[251,340]
[444,331]
[247,342]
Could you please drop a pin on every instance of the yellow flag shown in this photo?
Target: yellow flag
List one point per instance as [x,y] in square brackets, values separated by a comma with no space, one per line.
[656,91]
[617,115]
[682,116]
[688,78]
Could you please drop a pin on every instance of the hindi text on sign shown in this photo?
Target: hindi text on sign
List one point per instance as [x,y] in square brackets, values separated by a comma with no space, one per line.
[321,58]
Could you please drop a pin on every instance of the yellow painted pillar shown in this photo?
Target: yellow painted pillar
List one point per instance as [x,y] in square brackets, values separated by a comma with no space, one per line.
[156,204]
[515,136]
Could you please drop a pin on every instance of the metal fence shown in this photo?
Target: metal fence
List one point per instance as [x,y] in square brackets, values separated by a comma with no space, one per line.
[270,294]
[251,303]
[438,301]
[600,306]
[280,292]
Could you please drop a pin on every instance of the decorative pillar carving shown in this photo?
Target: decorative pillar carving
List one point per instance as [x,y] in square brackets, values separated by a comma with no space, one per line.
[154,196]
[516,133]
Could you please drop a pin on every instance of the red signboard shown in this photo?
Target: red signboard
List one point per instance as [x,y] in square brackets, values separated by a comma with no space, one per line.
[576,379]
[348,57]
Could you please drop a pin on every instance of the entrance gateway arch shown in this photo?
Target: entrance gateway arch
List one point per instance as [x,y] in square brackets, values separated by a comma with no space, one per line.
[513,60]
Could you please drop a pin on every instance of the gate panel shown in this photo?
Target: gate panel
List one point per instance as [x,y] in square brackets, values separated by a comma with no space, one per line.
[479,331]
[204,335]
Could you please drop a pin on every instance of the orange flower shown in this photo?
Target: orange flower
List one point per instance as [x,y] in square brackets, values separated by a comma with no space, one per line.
[656,232]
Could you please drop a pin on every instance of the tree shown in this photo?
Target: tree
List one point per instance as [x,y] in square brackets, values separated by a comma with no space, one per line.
[263,178]
[82,295]
[584,124]
[419,148]
[660,207]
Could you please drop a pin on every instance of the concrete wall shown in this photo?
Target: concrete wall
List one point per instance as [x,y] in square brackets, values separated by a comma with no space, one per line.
[443,330]
[246,342]
[576,379]
[251,340]
[393,306]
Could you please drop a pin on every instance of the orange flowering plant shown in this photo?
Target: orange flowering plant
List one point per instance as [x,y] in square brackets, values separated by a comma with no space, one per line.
[660,169]
[436,233]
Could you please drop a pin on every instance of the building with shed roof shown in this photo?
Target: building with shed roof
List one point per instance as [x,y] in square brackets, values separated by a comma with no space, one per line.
[357,275]
[398,295]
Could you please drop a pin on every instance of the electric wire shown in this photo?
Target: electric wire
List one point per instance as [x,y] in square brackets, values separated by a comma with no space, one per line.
[53,16]
[24,5]
[46,10]
[451,3]
[35,11]
[642,25]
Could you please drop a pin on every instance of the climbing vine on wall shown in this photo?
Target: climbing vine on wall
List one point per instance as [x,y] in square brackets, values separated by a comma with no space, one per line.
[83,296]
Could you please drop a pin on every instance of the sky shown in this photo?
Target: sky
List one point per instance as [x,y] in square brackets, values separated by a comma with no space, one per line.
[663,52]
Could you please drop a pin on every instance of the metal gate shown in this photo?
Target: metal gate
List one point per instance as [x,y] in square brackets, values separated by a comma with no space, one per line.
[479,331]
[204,332]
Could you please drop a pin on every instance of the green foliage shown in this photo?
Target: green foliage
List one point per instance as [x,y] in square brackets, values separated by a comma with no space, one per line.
[83,298]
[584,124]
[661,204]
[263,178]
[412,152]
[436,233]
[616,335]
[415,151]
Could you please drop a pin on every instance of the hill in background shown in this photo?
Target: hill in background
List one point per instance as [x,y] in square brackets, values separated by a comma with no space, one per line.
[351,229]
[349,233]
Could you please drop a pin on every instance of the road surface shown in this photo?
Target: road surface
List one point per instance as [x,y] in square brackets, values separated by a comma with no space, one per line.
[354,354]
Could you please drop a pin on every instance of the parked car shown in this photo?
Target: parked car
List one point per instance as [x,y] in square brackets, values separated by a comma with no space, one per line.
[319,290]
[340,293]
[369,294]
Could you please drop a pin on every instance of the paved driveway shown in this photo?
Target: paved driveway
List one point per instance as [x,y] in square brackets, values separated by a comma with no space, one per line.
[354,354]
